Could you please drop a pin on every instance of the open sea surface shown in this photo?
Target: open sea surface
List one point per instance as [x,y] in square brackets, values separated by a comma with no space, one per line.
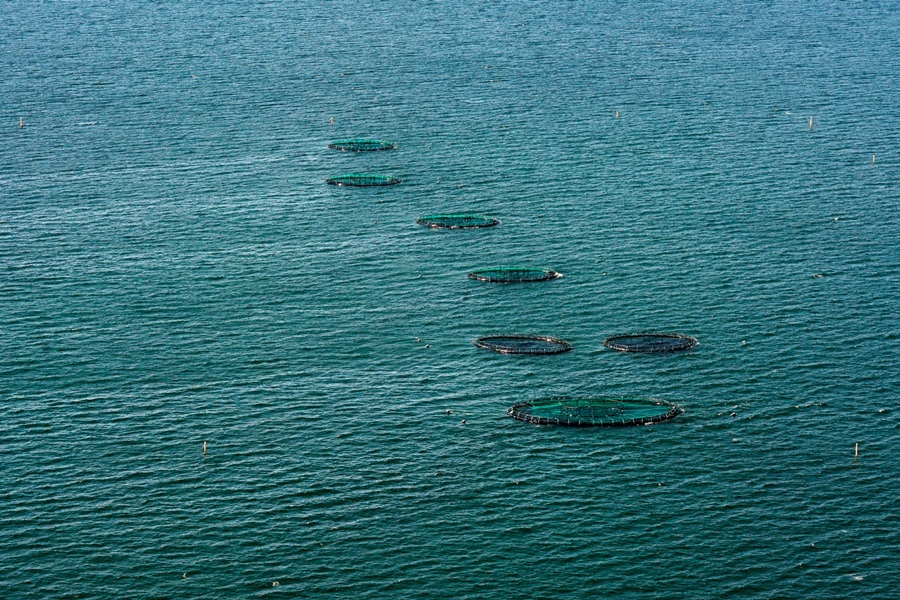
[174,270]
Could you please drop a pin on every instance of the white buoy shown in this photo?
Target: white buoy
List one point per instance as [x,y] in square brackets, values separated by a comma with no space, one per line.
[617,114]
[22,124]
[331,121]
[204,447]
[856,450]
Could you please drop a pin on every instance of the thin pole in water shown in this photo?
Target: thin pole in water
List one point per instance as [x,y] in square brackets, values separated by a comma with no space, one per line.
[810,123]
[21,122]
[617,114]
[856,451]
[873,159]
[204,446]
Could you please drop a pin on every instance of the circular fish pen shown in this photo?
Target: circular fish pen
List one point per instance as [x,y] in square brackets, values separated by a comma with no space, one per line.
[513,275]
[650,342]
[594,412]
[361,145]
[458,221]
[523,344]
[362,180]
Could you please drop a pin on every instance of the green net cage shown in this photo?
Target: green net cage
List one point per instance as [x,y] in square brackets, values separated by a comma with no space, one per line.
[458,221]
[513,274]
[650,342]
[361,145]
[594,412]
[523,344]
[362,180]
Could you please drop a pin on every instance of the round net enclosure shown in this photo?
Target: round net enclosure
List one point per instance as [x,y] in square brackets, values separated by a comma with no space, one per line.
[523,344]
[650,342]
[594,412]
[361,145]
[513,274]
[362,180]
[458,221]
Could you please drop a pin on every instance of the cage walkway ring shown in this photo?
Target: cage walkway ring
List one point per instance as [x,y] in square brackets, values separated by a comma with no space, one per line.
[362,180]
[523,344]
[650,342]
[594,411]
[361,145]
[458,221]
[513,274]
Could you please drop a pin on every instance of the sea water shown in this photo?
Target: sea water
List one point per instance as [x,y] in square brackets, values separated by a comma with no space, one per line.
[176,272]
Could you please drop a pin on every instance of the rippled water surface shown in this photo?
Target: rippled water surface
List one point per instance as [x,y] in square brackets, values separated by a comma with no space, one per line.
[175,270]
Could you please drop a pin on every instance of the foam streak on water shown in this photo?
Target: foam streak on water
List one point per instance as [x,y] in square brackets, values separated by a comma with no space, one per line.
[174,270]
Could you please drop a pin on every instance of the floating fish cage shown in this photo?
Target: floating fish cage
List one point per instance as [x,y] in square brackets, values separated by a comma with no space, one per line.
[650,342]
[361,145]
[513,274]
[458,221]
[594,412]
[523,344]
[362,180]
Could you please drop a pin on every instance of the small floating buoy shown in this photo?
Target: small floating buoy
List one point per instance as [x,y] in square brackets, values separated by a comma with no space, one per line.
[204,447]
[22,124]
[617,114]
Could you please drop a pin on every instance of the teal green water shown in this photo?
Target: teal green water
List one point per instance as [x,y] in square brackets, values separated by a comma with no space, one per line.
[175,270]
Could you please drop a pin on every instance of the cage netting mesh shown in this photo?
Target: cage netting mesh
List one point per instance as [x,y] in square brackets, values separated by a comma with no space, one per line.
[594,412]
[513,274]
[458,221]
[523,344]
[650,342]
[361,145]
[362,180]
